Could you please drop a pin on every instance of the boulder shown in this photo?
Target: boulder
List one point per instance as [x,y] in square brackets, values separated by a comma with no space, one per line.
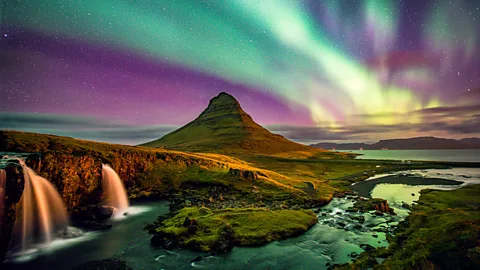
[377,204]
[103,213]
[243,174]
[186,222]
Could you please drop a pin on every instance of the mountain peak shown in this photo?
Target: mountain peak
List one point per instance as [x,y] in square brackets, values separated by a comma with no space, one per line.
[226,96]
[223,104]
[225,127]
[224,99]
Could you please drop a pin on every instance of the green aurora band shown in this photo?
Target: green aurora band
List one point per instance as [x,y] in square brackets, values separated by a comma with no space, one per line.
[274,45]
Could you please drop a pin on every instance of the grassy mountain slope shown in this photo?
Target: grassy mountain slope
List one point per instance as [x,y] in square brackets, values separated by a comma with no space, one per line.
[224,127]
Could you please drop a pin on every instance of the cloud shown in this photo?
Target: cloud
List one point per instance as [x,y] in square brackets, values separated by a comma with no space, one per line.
[88,128]
[372,133]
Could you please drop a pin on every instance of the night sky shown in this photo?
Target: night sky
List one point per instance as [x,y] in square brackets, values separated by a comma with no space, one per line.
[329,70]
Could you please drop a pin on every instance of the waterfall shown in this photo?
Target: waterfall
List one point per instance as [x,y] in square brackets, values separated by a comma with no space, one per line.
[114,193]
[42,212]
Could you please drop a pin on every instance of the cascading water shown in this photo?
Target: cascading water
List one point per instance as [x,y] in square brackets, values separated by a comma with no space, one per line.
[42,212]
[114,193]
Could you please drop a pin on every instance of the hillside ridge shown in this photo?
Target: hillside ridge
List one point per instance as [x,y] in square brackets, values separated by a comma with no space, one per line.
[225,127]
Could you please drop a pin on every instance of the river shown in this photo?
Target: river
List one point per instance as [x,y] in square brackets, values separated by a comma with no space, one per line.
[335,239]
[457,155]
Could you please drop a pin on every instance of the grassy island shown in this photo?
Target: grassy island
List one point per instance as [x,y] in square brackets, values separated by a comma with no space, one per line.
[204,229]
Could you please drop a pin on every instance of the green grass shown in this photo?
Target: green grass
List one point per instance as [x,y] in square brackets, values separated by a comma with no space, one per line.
[74,167]
[442,232]
[224,127]
[250,226]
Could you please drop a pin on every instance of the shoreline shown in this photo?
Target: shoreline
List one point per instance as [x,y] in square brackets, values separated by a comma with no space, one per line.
[365,187]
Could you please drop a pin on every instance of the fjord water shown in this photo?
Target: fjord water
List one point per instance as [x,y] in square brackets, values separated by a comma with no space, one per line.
[457,155]
[114,193]
[42,213]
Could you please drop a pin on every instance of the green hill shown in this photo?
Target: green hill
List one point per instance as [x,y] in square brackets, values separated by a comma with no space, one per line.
[225,127]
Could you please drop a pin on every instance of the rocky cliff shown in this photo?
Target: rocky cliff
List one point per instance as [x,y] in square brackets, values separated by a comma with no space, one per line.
[74,168]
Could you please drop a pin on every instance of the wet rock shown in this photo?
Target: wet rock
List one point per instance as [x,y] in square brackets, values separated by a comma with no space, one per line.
[103,213]
[351,210]
[353,255]
[192,229]
[71,232]
[368,248]
[157,240]
[378,213]
[186,222]
[360,219]
[357,227]
[91,216]
[341,224]
[377,204]
[197,259]
[226,243]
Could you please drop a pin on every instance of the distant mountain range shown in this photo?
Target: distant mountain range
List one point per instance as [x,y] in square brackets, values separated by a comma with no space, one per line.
[406,144]
[225,127]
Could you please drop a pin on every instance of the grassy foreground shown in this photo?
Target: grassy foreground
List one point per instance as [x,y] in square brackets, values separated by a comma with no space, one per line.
[442,232]
[216,230]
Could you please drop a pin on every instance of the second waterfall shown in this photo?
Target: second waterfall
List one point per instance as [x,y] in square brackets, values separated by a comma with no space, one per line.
[114,193]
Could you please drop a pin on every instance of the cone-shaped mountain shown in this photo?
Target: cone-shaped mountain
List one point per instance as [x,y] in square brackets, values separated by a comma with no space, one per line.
[225,127]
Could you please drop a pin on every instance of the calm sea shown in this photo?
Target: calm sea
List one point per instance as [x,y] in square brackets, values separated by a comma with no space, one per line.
[465,155]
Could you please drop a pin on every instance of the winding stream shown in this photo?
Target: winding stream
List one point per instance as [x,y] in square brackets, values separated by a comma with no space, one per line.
[335,239]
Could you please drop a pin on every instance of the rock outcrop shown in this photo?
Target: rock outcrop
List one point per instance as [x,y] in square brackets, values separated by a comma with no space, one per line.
[380,206]
[243,174]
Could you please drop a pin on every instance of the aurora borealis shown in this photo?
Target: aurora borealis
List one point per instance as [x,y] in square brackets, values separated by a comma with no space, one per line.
[129,71]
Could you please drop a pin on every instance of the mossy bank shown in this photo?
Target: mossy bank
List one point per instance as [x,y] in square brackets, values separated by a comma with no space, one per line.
[442,232]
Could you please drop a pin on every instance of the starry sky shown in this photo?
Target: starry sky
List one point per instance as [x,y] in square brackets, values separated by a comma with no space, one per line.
[129,71]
